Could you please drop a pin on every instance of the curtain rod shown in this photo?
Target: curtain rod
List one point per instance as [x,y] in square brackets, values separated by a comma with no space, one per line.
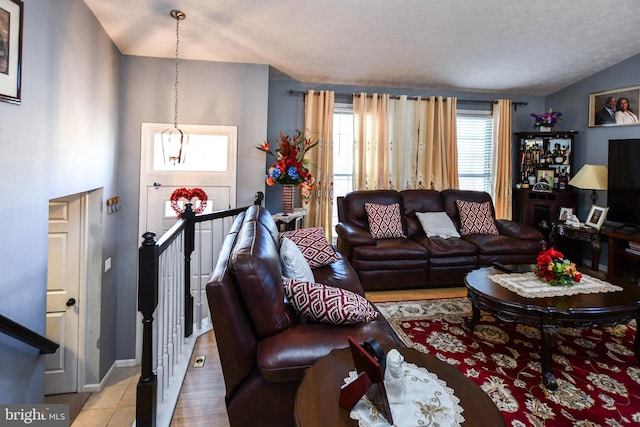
[344,95]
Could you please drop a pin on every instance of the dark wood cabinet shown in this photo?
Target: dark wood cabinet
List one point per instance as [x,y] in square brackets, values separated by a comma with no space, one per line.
[541,209]
[544,158]
[624,261]
[545,155]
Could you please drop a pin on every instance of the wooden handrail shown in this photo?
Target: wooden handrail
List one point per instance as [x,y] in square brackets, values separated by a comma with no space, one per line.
[148,275]
[26,335]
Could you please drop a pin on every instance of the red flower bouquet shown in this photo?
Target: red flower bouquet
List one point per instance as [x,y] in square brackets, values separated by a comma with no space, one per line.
[555,269]
[290,166]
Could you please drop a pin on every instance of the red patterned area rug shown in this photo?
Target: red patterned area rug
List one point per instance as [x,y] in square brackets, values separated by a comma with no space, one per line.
[597,372]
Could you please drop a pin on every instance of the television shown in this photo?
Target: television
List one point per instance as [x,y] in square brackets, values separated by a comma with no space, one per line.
[623,194]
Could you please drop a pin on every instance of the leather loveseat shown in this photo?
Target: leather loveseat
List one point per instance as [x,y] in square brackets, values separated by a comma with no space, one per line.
[418,261]
[264,345]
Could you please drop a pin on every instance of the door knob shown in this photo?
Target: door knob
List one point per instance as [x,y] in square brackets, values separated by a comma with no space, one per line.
[71,302]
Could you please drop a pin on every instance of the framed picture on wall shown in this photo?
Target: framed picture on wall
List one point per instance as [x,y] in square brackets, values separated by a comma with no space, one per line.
[10,50]
[616,107]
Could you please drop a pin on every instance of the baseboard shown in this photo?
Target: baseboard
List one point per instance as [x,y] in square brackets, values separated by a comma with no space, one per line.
[95,388]
[125,363]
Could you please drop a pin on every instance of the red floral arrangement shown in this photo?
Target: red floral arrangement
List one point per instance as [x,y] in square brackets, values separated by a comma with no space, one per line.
[188,195]
[290,166]
[555,269]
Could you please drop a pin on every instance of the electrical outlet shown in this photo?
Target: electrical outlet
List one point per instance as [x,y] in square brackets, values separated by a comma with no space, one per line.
[107,264]
[199,361]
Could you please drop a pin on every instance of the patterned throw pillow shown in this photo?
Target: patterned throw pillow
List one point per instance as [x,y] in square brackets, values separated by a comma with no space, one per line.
[313,244]
[385,221]
[476,218]
[327,304]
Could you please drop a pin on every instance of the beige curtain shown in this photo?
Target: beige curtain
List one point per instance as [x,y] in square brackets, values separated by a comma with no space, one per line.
[371,142]
[318,125]
[501,166]
[439,168]
[402,143]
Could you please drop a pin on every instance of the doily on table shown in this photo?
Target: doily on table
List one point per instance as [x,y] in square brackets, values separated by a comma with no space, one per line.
[529,285]
[428,401]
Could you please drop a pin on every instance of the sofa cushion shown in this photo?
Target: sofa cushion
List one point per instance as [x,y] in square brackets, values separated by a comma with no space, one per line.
[326,304]
[437,224]
[476,218]
[419,201]
[391,249]
[489,244]
[385,221]
[313,244]
[255,266]
[294,264]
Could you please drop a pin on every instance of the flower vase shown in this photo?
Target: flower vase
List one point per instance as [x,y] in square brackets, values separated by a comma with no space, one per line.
[288,196]
[545,129]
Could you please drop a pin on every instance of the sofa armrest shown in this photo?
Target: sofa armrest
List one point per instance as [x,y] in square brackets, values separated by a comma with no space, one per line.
[354,235]
[516,229]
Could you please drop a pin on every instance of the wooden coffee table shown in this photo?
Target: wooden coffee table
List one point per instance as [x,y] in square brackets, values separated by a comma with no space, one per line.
[319,392]
[576,311]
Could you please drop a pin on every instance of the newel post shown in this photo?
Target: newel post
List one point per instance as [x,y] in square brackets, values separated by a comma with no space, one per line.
[189,242]
[146,390]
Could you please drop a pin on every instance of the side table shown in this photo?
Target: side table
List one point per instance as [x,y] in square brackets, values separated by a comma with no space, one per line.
[582,233]
[291,221]
[319,392]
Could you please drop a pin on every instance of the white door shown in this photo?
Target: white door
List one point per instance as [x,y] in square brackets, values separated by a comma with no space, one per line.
[63,288]
[210,165]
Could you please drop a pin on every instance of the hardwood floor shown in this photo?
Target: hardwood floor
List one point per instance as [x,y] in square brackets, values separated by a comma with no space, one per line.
[201,401]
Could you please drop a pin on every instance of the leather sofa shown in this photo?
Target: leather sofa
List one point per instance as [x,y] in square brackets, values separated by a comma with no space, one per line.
[264,346]
[418,261]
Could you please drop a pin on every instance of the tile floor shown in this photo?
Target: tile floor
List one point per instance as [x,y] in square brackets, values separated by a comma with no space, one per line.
[115,405]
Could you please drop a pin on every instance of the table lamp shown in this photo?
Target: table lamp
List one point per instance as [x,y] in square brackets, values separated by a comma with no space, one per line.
[591,177]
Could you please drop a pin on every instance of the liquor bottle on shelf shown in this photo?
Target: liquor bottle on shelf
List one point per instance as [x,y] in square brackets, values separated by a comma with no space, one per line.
[532,177]
[558,158]
[563,181]
[549,157]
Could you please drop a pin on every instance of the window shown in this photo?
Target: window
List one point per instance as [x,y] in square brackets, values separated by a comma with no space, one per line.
[342,153]
[475,149]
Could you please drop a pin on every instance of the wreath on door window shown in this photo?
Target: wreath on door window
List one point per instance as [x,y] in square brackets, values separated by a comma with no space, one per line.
[188,194]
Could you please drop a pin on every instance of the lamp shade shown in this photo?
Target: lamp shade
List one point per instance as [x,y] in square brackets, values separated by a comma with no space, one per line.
[591,177]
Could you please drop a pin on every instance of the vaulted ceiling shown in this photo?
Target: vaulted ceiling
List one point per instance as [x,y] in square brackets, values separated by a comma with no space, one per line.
[508,46]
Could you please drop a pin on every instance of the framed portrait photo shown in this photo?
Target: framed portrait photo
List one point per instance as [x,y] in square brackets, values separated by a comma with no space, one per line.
[11,18]
[596,216]
[546,175]
[565,213]
[616,107]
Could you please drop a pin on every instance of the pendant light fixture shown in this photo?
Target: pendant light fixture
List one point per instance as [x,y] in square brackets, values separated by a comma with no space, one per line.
[174,140]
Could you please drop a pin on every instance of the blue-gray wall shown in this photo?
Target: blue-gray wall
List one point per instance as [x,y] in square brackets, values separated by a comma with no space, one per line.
[286,112]
[78,129]
[61,140]
[211,93]
[592,143]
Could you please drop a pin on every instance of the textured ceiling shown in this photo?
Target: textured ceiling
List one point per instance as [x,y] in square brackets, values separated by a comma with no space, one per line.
[533,47]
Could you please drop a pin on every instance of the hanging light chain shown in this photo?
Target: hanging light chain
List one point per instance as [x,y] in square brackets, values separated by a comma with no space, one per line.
[178,15]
